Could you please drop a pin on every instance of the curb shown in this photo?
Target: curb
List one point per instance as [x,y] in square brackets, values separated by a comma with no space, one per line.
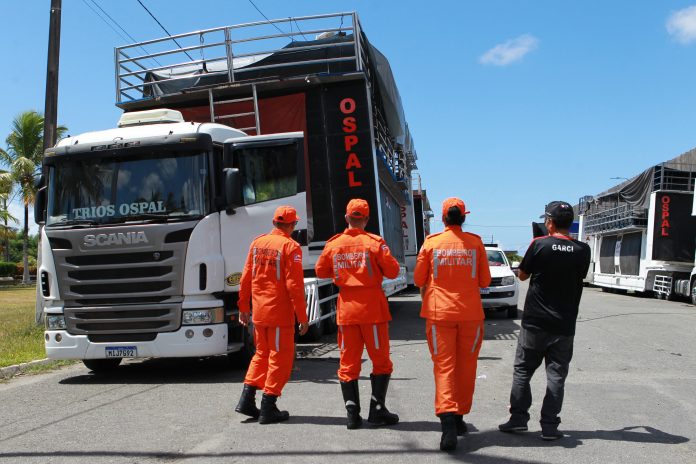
[11,371]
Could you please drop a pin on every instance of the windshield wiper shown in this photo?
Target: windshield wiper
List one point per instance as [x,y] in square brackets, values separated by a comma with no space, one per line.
[152,217]
[75,222]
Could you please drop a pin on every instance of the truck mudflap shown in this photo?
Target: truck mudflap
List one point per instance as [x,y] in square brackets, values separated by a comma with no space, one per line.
[189,341]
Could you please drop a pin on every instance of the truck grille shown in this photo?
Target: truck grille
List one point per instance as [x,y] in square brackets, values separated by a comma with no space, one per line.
[123,319]
[121,289]
[496,282]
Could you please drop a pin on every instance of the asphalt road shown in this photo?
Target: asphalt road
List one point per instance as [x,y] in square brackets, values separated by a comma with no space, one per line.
[629,398]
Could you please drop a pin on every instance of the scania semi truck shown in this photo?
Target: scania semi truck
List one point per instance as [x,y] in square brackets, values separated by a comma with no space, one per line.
[147,225]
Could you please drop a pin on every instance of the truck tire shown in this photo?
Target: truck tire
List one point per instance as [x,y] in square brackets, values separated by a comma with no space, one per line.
[692,295]
[511,312]
[99,366]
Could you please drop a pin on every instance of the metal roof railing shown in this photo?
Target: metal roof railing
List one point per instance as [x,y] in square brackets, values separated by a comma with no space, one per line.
[230,51]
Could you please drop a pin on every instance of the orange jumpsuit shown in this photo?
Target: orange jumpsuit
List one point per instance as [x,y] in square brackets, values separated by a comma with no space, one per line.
[357,261]
[452,266]
[274,280]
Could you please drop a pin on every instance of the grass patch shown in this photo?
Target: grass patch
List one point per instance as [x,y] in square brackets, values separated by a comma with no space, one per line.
[21,340]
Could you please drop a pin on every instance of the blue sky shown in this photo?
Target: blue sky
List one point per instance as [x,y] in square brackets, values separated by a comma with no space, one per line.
[512,104]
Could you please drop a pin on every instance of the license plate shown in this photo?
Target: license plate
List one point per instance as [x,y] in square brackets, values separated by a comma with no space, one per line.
[121,351]
[485,291]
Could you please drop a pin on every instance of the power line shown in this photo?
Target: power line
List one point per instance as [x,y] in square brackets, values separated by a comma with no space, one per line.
[105,21]
[125,39]
[163,28]
[269,21]
[114,21]
[298,28]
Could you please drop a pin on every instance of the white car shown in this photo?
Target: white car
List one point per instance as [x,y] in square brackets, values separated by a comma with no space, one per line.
[503,292]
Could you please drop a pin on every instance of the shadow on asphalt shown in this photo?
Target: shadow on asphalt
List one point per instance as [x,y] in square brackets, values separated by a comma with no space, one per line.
[165,371]
[572,438]
[468,444]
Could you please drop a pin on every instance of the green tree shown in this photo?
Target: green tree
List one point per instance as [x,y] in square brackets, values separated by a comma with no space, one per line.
[23,157]
[5,218]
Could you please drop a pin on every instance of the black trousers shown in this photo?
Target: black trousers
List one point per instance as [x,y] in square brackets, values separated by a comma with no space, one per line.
[532,348]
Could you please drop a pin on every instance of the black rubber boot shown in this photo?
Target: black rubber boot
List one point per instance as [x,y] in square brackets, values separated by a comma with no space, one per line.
[351,398]
[448,442]
[461,426]
[379,414]
[269,411]
[247,402]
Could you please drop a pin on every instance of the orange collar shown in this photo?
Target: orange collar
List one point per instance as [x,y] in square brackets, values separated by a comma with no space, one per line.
[277,231]
[354,232]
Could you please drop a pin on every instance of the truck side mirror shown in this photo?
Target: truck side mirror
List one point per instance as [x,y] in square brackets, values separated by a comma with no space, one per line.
[40,200]
[233,189]
[40,206]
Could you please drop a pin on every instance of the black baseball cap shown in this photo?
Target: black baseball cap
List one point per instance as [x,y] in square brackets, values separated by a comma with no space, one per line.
[559,210]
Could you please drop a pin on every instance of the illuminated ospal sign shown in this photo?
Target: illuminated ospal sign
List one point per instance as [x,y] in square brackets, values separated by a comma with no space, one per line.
[118,238]
[665,225]
[347,107]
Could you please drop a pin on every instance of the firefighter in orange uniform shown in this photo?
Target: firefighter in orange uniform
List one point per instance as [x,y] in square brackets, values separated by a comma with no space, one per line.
[451,268]
[274,281]
[357,261]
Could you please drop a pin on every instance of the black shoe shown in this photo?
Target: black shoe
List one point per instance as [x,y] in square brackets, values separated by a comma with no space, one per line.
[461,426]
[351,399]
[379,414]
[448,441]
[550,432]
[269,413]
[247,402]
[513,425]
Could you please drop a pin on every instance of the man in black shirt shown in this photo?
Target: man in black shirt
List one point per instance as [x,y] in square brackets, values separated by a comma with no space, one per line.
[557,265]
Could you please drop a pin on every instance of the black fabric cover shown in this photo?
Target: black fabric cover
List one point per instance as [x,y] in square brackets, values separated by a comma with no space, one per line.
[636,191]
[606,254]
[629,259]
[196,77]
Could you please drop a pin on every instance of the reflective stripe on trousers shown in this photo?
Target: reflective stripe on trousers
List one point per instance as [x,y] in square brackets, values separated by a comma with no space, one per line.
[434,339]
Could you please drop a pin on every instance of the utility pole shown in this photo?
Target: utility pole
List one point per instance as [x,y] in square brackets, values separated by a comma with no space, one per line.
[50,115]
[51,107]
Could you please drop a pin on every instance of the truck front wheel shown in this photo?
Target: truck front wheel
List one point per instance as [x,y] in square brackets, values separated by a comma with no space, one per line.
[99,366]
[693,292]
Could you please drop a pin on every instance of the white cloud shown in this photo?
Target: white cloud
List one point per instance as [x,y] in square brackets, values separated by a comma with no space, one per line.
[681,25]
[508,52]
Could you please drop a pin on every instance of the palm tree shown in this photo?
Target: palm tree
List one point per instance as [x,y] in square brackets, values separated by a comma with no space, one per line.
[5,216]
[23,157]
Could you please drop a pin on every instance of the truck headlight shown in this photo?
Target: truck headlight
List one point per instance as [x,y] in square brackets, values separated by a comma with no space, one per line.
[202,316]
[55,322]
[509,280]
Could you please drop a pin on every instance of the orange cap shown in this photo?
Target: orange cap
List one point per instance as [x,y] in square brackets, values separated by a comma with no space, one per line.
[454,201]
[358,208]
[285,215]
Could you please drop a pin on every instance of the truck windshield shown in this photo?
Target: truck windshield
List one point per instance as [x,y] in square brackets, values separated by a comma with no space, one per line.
[100,191]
